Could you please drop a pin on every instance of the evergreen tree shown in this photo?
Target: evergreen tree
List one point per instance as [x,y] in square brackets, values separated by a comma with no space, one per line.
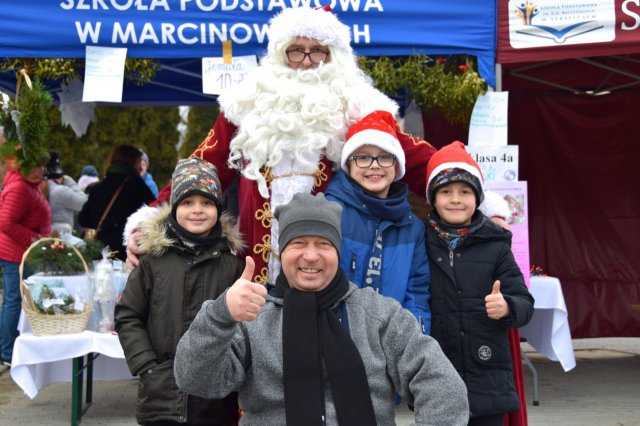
[151,129]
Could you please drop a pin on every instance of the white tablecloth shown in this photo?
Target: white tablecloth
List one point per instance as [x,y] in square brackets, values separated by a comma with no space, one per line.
[548,331]
[40,360]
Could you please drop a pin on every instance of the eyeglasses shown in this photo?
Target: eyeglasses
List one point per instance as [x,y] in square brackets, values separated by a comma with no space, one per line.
[366,161]
[316,56]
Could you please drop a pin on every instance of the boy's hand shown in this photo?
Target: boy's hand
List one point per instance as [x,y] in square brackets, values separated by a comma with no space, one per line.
[495,304]
[245,298]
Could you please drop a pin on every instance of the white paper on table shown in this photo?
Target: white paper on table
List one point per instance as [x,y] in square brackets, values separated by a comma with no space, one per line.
[104,74]
[489,120]
[218,76]
[498,164]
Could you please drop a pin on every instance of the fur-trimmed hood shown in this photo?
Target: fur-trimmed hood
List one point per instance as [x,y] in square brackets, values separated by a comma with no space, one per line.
[155,240]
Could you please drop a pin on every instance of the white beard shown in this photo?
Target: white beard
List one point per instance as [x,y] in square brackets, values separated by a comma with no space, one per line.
[288,119]
[299,115]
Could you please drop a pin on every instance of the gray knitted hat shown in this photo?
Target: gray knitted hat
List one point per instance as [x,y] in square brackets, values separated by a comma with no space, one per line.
[309,215]
[194,176]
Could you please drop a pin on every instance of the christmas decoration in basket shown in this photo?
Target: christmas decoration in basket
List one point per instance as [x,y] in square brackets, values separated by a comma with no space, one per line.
[50,306]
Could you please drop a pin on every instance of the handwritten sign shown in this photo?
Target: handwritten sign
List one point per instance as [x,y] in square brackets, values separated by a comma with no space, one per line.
[488,125]
[218,76]
[496,163]
[103,74]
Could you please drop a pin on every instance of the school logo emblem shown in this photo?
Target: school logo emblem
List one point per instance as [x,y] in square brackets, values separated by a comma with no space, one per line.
[542,23]
[485,353]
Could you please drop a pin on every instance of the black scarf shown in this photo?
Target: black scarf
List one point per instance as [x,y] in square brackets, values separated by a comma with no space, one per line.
[311,333]
[455,235]
[190,241]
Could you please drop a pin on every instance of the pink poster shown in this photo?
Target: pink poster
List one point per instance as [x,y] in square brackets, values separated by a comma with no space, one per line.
[515,193]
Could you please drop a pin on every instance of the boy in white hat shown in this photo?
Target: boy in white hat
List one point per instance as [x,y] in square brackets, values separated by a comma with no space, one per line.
[478,291]
[383,243]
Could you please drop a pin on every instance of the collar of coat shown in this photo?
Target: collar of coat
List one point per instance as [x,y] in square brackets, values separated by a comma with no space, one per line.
[155,240]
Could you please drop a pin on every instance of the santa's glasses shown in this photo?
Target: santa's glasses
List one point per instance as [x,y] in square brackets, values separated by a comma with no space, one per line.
[297,55]
[366,161]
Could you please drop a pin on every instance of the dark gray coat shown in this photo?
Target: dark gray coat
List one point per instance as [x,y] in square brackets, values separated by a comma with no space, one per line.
[161,299]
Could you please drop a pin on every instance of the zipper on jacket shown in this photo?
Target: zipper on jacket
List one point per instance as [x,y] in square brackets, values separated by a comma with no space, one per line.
[451,258]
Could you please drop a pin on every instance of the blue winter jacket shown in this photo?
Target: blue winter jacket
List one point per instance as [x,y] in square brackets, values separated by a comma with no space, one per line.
[148,179]
[404,273]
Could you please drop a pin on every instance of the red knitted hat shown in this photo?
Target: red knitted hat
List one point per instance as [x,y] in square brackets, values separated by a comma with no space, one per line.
[378,129]
[453,156]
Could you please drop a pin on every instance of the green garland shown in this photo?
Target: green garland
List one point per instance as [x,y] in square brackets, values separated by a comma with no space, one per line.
[449,85]
[140,71]
[58,258]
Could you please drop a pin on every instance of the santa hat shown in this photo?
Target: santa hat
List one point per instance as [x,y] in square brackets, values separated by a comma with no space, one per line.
[318,24]
[378,129]
[450,164]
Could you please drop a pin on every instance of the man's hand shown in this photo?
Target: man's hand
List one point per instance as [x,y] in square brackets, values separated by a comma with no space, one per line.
[495,304]
[133,250]
[245,298]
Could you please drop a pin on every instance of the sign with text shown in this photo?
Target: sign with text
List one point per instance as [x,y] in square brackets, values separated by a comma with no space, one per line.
[488,126]
[104,74]
[218,76]
[515,193]
[173,29]
[496,163]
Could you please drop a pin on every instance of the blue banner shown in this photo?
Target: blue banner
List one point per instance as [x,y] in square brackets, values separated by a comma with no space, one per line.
[175,29]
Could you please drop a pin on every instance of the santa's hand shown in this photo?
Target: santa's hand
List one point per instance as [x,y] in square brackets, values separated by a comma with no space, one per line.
[245,298]
[495,304]
[133,249]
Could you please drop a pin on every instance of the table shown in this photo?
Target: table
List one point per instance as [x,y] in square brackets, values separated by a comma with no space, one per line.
[548,331]
[40,360]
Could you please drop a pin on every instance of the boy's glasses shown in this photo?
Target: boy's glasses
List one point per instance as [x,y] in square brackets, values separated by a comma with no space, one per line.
[366,161]
[316,56]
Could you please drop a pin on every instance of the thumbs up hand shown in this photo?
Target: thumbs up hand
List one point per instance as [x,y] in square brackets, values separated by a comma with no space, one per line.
[495,304]
[245,298]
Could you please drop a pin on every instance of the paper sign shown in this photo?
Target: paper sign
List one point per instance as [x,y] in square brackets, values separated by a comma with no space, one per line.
[103,74]
[488,125]
[218,76]
[496,163]
[515,193]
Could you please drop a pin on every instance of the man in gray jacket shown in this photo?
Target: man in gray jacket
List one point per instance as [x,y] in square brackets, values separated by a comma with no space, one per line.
[316,350]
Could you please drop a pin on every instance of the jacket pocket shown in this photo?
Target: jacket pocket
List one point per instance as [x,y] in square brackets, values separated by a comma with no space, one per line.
[158,393]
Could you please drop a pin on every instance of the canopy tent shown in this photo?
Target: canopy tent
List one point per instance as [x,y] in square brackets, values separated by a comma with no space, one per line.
[178,33]
[573,72]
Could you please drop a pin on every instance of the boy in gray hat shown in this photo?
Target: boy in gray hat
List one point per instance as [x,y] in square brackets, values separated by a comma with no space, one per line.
[316,330]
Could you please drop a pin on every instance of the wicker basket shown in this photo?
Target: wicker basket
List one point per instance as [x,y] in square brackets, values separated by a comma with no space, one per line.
[45,324]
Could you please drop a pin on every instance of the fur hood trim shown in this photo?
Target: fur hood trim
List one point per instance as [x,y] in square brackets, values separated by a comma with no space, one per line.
[155,241]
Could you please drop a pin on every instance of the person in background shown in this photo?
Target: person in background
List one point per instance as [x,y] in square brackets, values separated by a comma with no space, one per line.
[191,259]
[66,198]
[88,176]
[24,216]
[316,350]
[112,200]
[383,244]
[477,289]
[146,176]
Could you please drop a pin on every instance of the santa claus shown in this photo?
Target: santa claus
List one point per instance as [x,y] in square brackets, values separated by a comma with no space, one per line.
[284,128]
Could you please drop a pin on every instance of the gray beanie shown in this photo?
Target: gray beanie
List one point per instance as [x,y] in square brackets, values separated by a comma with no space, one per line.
[309,215]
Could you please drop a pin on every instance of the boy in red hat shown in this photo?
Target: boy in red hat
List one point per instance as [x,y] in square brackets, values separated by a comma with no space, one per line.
[383,243]
[478,291]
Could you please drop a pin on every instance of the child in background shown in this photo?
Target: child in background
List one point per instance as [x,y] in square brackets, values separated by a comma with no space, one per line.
[190,259]
[477,289]
[382,240]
